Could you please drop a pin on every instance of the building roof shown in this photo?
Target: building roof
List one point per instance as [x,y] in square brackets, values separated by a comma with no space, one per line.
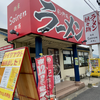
[3,32]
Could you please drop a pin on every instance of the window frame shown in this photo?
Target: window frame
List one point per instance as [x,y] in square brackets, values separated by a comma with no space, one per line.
[84,64]
[70,65]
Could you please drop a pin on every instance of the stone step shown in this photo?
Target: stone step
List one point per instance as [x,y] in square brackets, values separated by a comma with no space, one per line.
[64,85]
[66,92]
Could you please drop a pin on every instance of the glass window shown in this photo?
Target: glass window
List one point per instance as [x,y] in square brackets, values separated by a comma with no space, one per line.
[83,58]
[69,62]
[67,59]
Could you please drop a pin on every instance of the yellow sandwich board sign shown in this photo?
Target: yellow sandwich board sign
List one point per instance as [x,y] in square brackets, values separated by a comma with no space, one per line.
[16,72]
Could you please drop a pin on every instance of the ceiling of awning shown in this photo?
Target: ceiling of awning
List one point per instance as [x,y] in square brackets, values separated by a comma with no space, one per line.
[46,42]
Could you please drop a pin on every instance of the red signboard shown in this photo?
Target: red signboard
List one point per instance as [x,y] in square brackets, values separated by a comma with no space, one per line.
[42,77]
[43,17]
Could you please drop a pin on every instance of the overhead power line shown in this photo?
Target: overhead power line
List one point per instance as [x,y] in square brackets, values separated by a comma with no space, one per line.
[92,4]
[89,5]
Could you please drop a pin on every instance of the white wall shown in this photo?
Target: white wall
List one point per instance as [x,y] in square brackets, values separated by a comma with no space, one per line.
[2,41]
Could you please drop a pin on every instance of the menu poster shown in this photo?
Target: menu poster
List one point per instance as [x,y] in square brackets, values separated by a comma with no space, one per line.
[5,94]
[12,78]
[1,73]
[9,71]
[5,77]
[14,64]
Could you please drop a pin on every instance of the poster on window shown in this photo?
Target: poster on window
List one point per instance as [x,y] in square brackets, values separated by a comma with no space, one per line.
[68,60]
[91,28]
[42,77]
[76,61]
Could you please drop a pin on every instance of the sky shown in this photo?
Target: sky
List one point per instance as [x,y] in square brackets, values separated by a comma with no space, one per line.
[76,7]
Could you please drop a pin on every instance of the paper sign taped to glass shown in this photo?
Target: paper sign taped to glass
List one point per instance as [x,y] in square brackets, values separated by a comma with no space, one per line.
[76,61]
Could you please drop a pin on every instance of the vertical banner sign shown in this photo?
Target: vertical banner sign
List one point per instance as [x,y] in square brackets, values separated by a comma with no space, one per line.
[91,28]
[42,77]
[50,85]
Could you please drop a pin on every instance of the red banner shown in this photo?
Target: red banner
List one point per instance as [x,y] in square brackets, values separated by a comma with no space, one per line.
[50,85]
[42,77]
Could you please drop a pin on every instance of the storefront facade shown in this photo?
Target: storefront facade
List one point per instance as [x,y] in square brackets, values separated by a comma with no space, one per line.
[61,51]
[48,29]
[62,55]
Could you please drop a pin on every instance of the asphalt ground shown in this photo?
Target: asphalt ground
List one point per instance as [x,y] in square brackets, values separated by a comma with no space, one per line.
[95,81]
[90,94]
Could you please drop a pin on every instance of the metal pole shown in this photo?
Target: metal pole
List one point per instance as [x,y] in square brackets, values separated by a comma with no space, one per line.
[91,56]
[99,50]
[38,50]
[47,78]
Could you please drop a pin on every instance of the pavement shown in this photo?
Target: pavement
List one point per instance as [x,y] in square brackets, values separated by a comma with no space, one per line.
[90,94]
[94,81]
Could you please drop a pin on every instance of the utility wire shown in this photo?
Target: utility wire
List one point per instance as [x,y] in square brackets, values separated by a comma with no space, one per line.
[92,4]
[89,5]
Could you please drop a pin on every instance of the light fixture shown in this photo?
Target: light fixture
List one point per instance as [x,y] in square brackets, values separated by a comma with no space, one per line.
[14,32]
[6,39]
[84,41]
[45,29]
[69,37]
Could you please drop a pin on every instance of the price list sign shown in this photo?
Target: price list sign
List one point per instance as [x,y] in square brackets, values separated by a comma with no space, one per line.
[9,71]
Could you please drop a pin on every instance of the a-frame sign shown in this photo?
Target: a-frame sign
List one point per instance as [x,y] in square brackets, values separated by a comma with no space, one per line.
[16,72]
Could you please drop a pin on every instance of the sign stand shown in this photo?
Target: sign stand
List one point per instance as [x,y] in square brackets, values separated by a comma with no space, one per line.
[24,79]
[26,85]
